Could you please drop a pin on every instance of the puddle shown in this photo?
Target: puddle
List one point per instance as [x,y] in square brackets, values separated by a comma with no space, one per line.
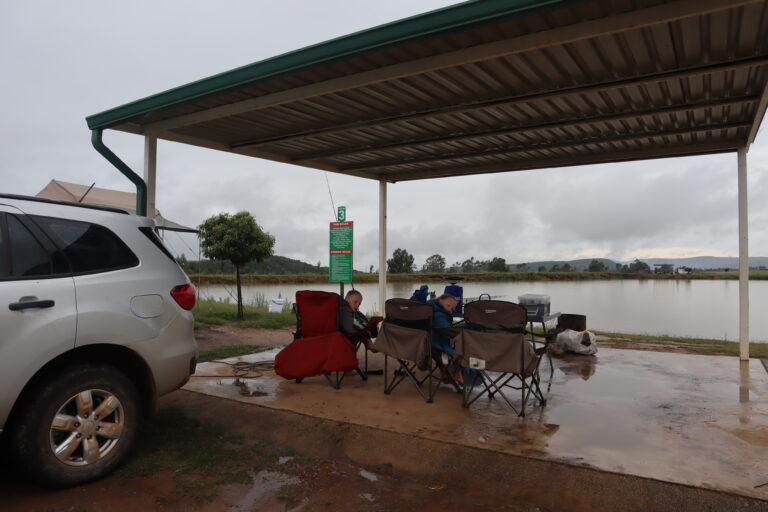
[265,483]
[250,388]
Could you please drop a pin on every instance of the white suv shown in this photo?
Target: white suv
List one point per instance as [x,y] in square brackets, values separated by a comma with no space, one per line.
[95,324]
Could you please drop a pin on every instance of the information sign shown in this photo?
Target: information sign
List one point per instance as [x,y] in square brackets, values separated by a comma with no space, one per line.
[340,268]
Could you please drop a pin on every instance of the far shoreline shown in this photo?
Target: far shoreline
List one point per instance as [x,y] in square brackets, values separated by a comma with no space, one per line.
[362,278]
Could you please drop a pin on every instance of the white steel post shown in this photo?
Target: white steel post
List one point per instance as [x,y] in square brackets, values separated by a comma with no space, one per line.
[150,168]
[743,258]
[382,245]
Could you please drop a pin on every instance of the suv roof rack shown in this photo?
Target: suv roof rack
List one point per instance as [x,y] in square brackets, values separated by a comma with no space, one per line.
[65,203]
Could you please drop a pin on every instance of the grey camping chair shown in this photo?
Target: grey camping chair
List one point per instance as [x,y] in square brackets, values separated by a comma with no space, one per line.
[493,340]
[405,336]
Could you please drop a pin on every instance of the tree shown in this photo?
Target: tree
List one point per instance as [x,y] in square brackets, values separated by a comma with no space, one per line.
[597,266]
[468,265]
[236,238]
[639,267]
[567,267]
[400,263]
[521,267]
[555,268]
[190,267]
[434,263]
[497,265]
[542,268]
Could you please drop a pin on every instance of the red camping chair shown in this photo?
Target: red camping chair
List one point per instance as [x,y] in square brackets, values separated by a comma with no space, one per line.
[318,346]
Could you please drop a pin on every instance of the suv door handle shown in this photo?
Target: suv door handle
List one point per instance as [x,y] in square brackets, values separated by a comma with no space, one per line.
[18,306]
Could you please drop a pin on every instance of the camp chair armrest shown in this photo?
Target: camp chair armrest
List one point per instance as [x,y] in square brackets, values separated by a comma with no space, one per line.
[540,351]
[451,332]
[365,330]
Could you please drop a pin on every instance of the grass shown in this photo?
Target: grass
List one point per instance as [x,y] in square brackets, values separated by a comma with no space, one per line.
[214,312]
[217,353]
[201,457]
[697,345]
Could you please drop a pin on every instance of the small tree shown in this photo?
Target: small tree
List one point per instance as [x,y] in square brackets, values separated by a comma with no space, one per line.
[542,268]
[400,263]
[236,238]
[497,265]
[434,263]
[597,266]
[567,267]
[639,267]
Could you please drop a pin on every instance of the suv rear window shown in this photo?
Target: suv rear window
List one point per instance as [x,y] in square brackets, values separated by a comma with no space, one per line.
[28,258]
[89,247]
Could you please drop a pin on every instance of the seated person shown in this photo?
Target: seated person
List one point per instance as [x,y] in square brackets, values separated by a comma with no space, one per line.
[352,320]
[443,308]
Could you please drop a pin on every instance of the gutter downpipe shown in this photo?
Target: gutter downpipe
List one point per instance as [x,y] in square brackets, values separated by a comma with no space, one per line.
[141,186]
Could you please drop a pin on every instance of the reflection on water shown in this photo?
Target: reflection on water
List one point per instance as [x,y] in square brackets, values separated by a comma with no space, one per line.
[578,366]
[694,308]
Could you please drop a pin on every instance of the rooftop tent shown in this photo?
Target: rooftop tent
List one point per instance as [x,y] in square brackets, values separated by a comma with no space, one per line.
[63,191]
[488,86]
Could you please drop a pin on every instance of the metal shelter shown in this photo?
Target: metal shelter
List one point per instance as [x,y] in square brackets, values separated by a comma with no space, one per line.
[482,87]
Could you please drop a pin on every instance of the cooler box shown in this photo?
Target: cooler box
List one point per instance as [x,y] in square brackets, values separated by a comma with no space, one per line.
[536,305]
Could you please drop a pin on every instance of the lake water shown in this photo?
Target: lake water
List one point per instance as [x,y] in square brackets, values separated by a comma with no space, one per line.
[695,308]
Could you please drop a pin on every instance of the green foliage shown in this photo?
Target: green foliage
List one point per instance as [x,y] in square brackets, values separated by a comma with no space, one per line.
[638,267]
[400,263]
[594,266]
[434,263]
[236,238]
[497,265]
[213,312]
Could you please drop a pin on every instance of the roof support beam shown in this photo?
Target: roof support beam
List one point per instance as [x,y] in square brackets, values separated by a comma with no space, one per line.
[759,114]
[602,86]
[548,163]
[551,126]
[663,13]
[522,149]
[560,123]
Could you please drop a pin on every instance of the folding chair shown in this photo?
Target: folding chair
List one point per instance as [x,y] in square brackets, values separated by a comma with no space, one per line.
[405,336]
[319,347]
[493,340]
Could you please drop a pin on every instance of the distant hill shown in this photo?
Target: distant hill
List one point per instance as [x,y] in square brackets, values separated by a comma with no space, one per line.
[273,265]
[534,266]
[699,262]
[708,262]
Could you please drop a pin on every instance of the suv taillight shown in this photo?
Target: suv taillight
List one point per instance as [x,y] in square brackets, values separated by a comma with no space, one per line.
[184,294]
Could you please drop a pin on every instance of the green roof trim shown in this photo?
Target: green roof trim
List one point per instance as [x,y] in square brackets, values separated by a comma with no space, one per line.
[414,27]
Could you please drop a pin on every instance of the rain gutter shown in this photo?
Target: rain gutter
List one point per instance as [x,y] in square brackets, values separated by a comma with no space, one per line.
[141,187]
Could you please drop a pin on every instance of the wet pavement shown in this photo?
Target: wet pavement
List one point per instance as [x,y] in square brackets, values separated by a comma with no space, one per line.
[688,419]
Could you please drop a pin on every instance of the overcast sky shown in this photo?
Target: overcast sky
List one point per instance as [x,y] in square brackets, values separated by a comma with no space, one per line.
[62,61]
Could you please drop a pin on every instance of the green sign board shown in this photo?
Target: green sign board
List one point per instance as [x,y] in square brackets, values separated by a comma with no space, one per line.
[341,252]
[341,214]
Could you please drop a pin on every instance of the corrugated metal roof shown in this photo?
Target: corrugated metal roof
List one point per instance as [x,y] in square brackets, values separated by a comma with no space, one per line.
[500,86]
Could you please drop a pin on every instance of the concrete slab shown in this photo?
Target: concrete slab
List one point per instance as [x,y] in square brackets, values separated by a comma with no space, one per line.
[694,420]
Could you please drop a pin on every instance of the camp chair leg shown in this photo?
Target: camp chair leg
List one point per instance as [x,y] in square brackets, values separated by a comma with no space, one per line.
[336,381]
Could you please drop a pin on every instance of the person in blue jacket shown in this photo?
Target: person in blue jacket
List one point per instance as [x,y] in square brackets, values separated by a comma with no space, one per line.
[443,308]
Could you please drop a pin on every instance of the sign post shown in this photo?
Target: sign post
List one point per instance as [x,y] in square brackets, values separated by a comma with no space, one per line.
[340,268]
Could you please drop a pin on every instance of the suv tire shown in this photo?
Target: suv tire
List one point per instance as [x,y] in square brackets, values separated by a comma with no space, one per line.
[88,413]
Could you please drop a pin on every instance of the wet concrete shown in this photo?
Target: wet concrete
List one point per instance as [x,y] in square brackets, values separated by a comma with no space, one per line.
[688,419]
